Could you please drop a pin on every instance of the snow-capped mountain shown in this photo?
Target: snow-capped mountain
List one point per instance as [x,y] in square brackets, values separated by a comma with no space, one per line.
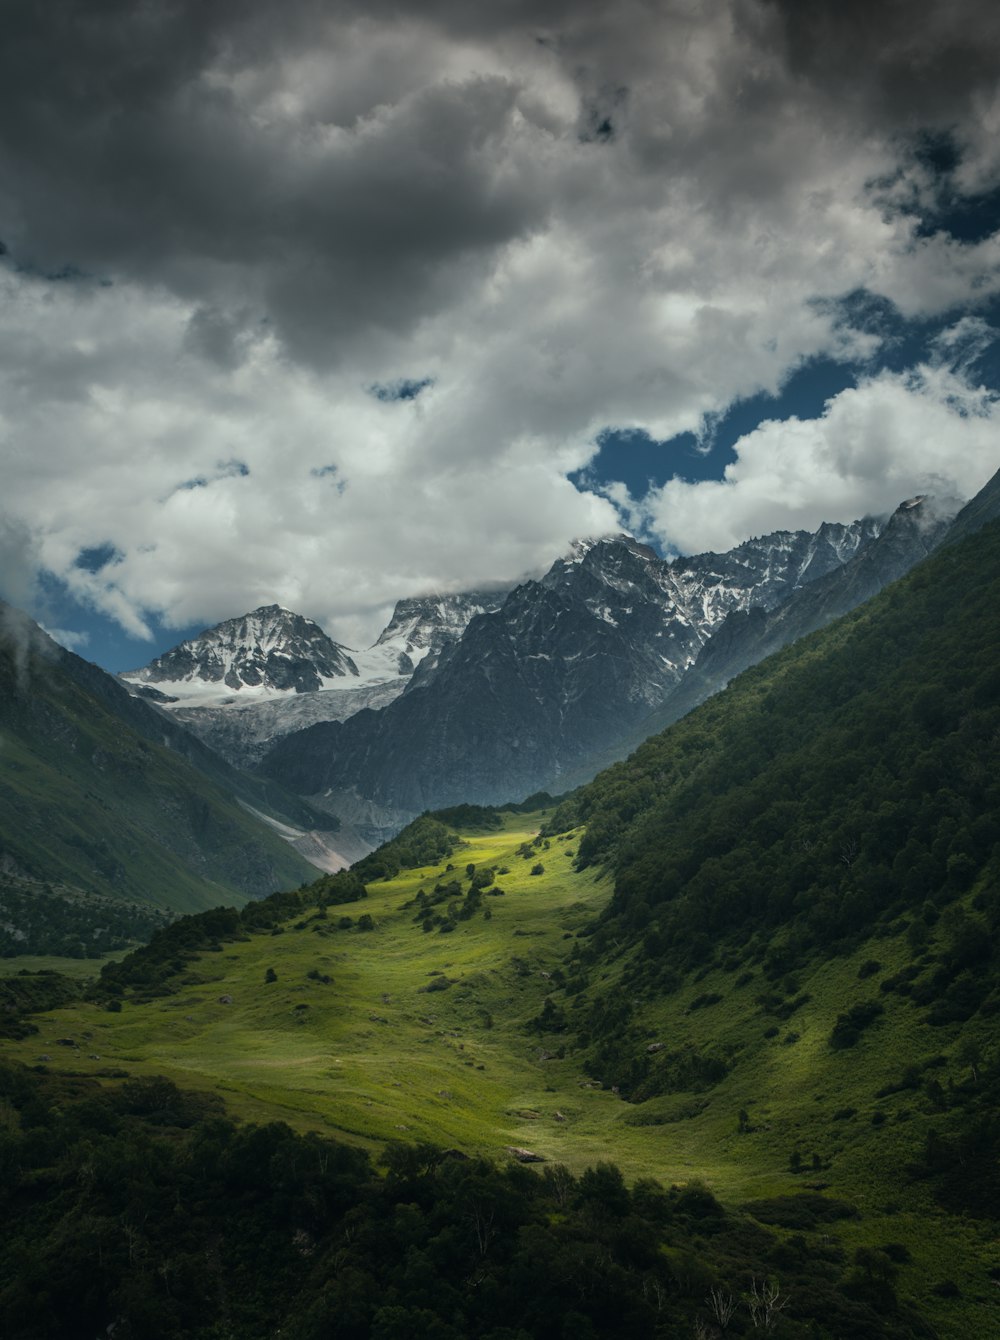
[679,604]
[267,652]
[420,627]
[247,681]
[748,635]
[487,696]
[561,672]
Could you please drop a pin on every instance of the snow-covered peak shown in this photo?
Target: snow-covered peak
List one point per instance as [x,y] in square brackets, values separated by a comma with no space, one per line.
[421,626]
[767,568]
[581,547]
[675,605]
[268,652]
[419,621]
[274,653]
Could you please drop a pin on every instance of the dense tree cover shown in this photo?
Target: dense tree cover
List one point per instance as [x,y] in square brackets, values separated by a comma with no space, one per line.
[39,919]
[961,1155]
[848,782]
[153,969]
[425,841]
[538,800]
[147,971]
[480,818]
[146,1214]
[485,818]
[29,993]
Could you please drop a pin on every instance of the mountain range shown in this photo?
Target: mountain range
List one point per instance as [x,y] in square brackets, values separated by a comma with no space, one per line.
[577,667]
[560,668]
[484,696]
[481,697]
[249,680]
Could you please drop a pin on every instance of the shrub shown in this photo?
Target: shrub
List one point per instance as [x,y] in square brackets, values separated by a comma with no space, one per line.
[849,1026]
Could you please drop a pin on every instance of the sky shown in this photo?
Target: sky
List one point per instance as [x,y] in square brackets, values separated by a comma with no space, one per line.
[329,303]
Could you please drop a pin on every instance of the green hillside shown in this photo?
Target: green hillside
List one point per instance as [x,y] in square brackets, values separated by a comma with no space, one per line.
[89,804]
[756,961]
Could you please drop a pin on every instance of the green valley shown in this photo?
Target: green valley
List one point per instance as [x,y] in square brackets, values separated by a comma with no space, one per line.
[395,1034]
[757,961]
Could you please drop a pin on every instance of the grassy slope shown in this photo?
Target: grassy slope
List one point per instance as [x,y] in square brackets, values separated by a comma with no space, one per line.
[79,968]
[334,1065]
[87,802]
[373,1058]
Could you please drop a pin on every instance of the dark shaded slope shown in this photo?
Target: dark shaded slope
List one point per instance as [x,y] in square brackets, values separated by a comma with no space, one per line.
[485,729]
[976,513]
[89,801]
[159,727]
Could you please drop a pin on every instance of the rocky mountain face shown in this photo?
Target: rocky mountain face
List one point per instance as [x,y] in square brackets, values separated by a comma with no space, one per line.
[747,635]
[248,681]
[562,671]
[422,626]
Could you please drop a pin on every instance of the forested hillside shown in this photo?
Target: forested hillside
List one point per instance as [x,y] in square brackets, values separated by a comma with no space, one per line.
[844,793]
[149,1213]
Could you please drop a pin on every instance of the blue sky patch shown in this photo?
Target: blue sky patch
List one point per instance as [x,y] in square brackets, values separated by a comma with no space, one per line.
[100,556]
[406,388]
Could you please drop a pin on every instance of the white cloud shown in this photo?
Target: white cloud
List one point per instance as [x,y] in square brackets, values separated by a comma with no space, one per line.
[19,561]
[68,638]
[138,452]
[895,435]
[630,216]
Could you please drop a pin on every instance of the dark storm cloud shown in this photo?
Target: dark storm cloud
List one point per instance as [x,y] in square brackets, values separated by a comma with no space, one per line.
[150,141]
[913,64]
[127,147]
[216,336]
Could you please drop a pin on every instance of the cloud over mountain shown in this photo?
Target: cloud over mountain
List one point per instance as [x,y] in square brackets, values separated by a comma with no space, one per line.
[226,224]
